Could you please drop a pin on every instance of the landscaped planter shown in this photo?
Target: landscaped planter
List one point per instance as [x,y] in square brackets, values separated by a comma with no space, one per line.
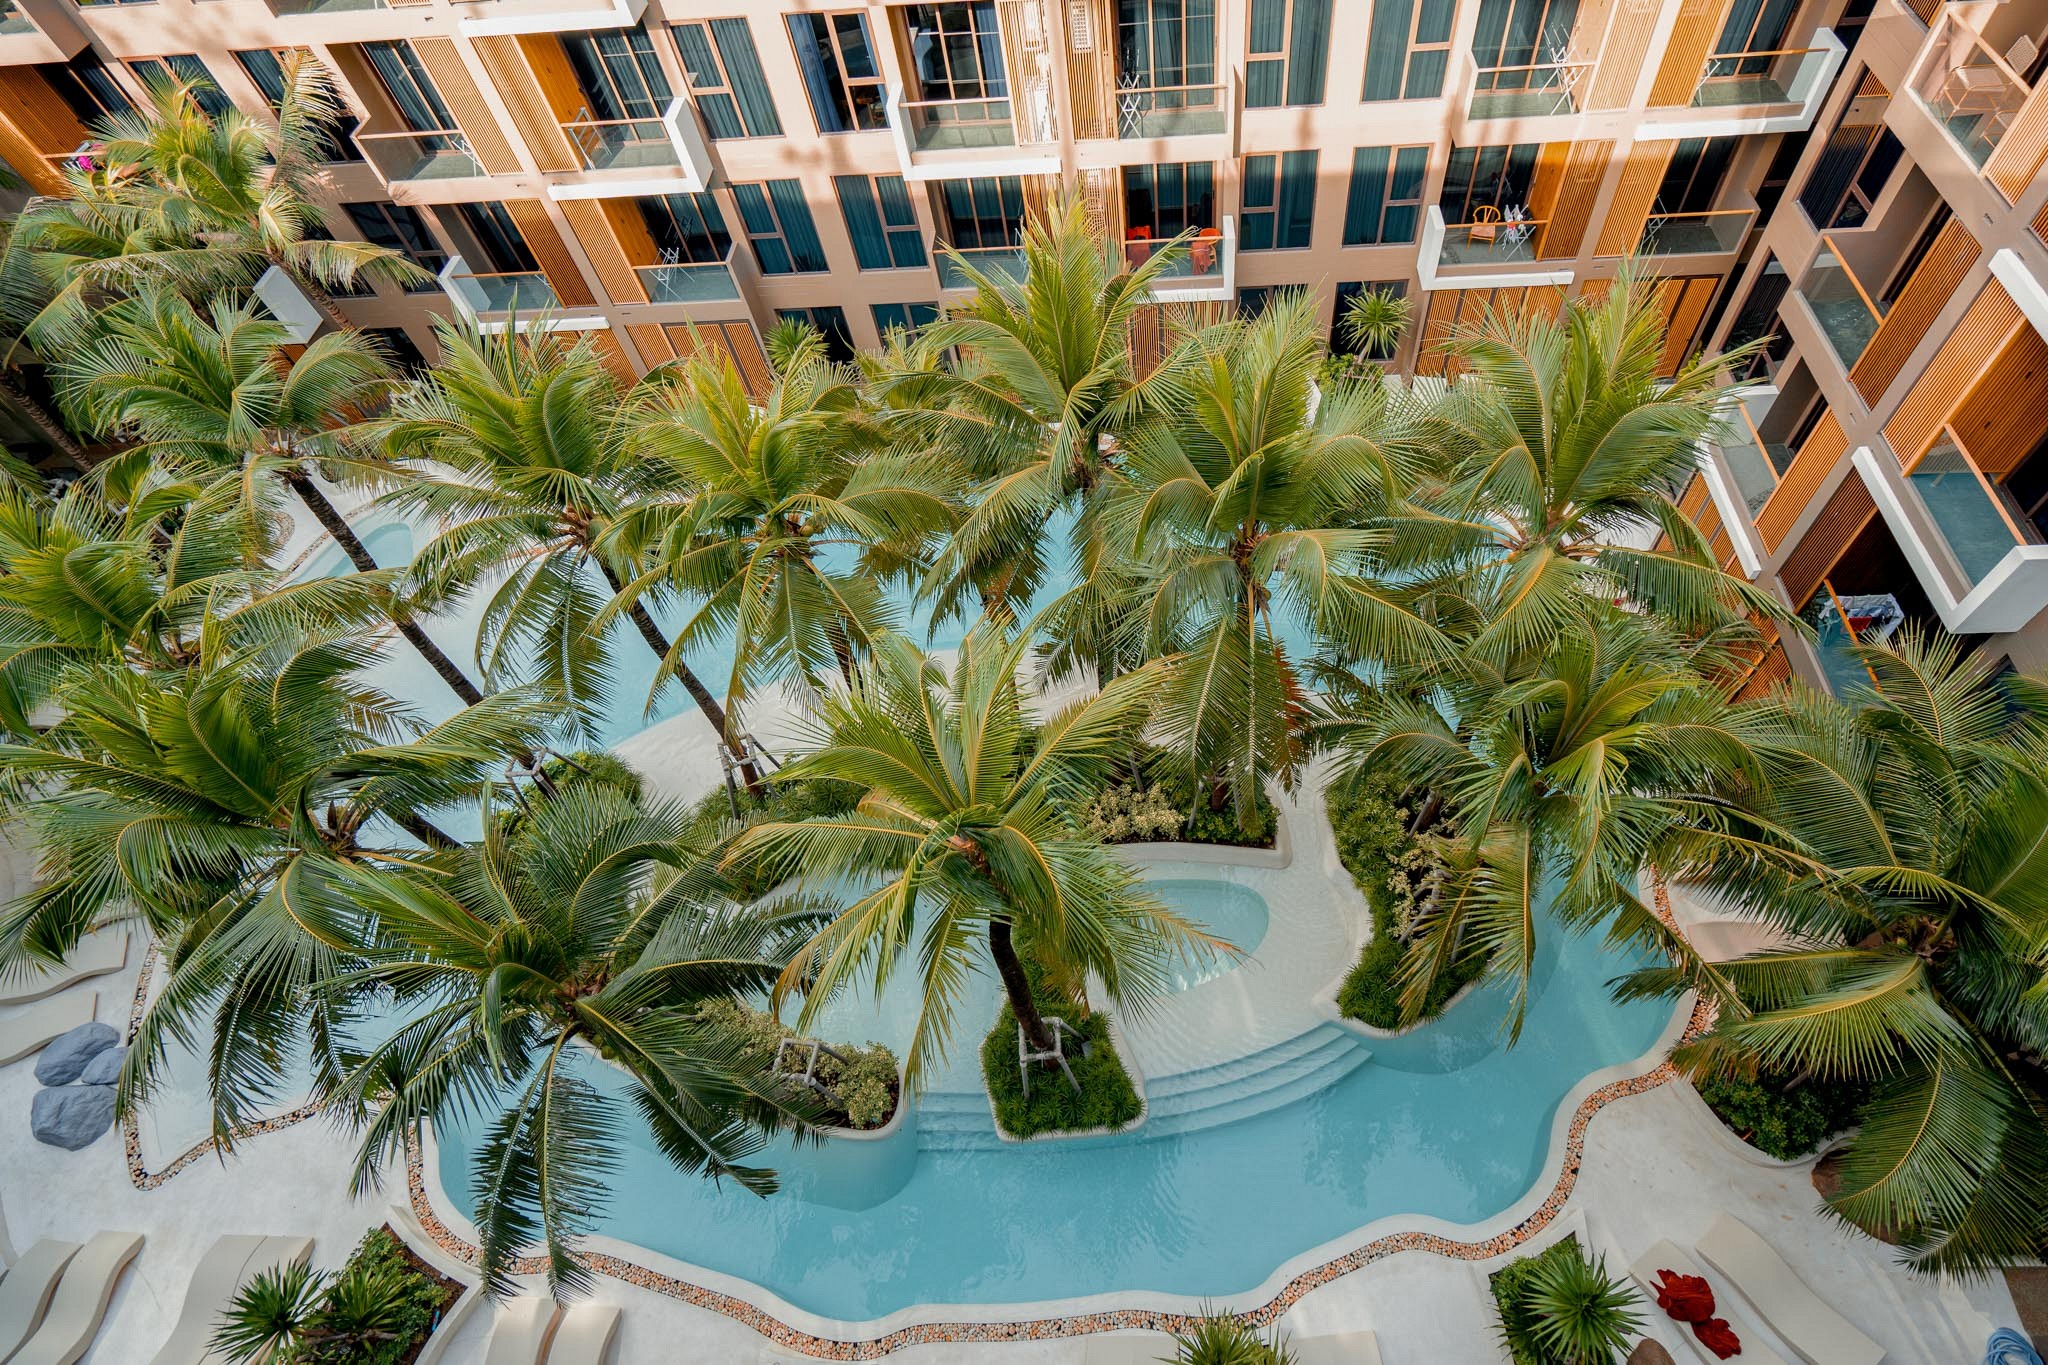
[857,1168]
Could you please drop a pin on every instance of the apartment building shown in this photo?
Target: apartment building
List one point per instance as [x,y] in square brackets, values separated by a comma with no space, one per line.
[1856,180]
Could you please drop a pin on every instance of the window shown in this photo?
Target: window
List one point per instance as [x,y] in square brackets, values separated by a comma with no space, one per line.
[687,229]
[404,78]
[1758,317]
[1756,26]
[1161,44]
[87,87]
[1279,201]
[618,73]
[726,79]
[1852,169]
[265,68]
[1164,201]
[987,211]
[904,317]
[500,246]
[1289,53]
[400,228]
[1522,33]
[398,346]
[956,51]
[831,324]
[839,70]
[180,68]
[1386,195]
[1341,340]
[1253,298]
[779,227]
[1409,49]
[1487,177]
[1692,180]
[884,237]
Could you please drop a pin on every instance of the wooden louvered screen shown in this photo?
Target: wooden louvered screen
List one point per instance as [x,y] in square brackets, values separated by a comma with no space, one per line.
[35,123]
[1810,468]
[2024,147]
[604,249]
[1578,185]
[564,275]
[2003,418]
[1839,523]
[733,340]
[1684,302]
[652,343]
[1642,172]
[1452,309]
[1692,501]
[1685,57]
[614,355]
[1984,329]
[1091,75]
[472,115]
[1934,282]
[1621,55]
[2041,220]
[1771,672]
[1924,10]
[533,113]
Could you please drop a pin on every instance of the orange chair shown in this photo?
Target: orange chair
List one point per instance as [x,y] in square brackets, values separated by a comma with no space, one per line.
[1485,224]
[1202,251]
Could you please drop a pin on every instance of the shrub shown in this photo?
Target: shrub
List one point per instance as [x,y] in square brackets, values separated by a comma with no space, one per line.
[866,1081]
[374,1311]
[1559,1308]
[1107,1098]
[1220,1339]
[1780,1119]
[1124,815]
[1156,782]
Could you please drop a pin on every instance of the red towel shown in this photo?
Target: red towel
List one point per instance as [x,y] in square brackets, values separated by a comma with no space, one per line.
[1717,1336]
[1685,1298]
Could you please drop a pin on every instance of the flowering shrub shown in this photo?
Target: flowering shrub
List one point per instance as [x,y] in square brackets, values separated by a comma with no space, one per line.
[1124,815]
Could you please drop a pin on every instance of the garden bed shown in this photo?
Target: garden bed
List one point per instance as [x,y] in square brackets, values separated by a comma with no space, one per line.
[1107,1099]
[1150,801]
[1779,1119]
[867,1080]
[1539,1307]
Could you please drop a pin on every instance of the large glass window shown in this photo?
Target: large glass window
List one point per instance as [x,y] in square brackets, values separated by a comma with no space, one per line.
[987,211]
[831,324]
[1289,52]
[1409,49]
[904,317]
[619,74]
[840,73]
[1279,202]
[1522,33]
[265,68]
[400,228]
[85,84]
[956,51]
[1487,177]
[726,79]
[688,229]
[1853,168]
[1756,25]
[1692,180]
[500,245]
[1342,341]
[404,78]
[181,68]
[1164,44]
[881,221]
[1386,195]
[779,227]
[1164,201]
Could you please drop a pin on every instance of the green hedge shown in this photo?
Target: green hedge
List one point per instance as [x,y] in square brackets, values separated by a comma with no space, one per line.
[1780,1119]
[1153,767]
[1107,1098]
[421,1298]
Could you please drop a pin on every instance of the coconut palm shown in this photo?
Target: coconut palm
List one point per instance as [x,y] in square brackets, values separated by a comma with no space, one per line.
[1231,527]
[214,396]
[781,526]
[522,967]
[966,822]
[1901,846]
[522,446]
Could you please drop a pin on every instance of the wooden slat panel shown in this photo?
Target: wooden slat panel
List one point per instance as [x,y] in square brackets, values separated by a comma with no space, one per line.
[2024,147]
[1436,329]
[532,113]
[2041,223]
[1934,281]
[1839,523]
[653,343]
[460,94]
[553,254]
[1578,187]
[1810,468]
[1982,332]
[1771,673]
[1621,57]
[2003,418]
[1641,173]
[607,255]
[614,355]
[35,123]
[1684,308]
[1091,75]
[1685,57]
[733,340]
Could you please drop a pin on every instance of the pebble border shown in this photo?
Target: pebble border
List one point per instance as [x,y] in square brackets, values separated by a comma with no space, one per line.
[1030,1329]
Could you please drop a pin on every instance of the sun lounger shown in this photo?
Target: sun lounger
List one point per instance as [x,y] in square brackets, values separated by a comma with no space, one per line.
[1667,1255]
[1127,1348]
[228,1265]
[33,1029]
[520,1335]
[26,1291]
[1817,1332]
[584,1336]
[1341,1348]
[96,956]
[80,1303]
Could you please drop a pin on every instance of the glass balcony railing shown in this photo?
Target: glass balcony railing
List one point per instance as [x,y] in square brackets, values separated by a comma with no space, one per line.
[420,156]
[1969,90]
[1839,625]
[1528,91]
[1972,517]
[518,291]
[1171,110]
[12,20]
[1847,315]
[959,125]
[294,7]
[1495,241]
[1755,464]
[689,282]
[1201,257]
[622,144]
[994,261]
[1772,77]
[1695,234]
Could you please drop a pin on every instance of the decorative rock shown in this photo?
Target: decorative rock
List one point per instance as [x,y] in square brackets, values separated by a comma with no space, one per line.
[104,1069]
[64,1059]
[71,1116]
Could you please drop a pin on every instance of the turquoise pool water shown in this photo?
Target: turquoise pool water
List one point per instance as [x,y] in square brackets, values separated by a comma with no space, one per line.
[1233,913]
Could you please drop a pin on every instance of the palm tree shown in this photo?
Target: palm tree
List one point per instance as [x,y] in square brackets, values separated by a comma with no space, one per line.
[214,394]
[777,523]
[521,962]
[537,442]
[966,819]
[219,802]
[1230,520]
[1900,843]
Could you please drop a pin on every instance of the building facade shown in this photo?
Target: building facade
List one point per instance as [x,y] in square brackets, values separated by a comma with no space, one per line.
[672,174]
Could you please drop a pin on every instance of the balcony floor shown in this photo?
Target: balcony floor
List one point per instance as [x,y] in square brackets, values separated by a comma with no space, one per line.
[1724,91]
[1686,238]
[965,137]
[1520,103]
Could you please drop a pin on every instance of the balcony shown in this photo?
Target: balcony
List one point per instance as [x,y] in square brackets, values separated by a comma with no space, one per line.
[1518,92]
[1842,308]
[1976,98]
[996,262]
[634,158]
[692,282]
[1840,624]
[401,157]
[1172,111]
[1203,267]
[1490,253]
[1754,464]
[497,301]
[1713,233]
[1976,526]
[953,139]
[1776,91]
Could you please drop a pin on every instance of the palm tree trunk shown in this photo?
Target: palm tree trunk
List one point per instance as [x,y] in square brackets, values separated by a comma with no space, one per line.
[315,293]
[344,535]
[40,418]
[426,831]
[1017,986]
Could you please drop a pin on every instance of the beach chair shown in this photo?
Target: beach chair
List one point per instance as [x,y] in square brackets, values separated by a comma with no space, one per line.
[25,1292]
[80,1303]
[522,1332]
[1667,1255]
[584,1336]
[1340,1348]
[35,1028]
[229,1264]
[95,956]
[1819,1334]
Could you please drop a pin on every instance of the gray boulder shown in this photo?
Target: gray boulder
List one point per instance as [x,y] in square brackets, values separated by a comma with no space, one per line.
[64,1060]
[71,1116]
[104,1069]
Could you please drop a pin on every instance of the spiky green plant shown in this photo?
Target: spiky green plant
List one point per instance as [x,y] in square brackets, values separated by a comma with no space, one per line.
[1578,1314]
[1222,1339]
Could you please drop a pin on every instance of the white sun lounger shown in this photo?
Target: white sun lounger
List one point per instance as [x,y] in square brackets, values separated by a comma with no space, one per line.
[1127,1348]
[26,1291]
[80,1302]
[520,1335]
[95,956]
[584,1336]
[232,1262]
[1667,1255]
[1817,1332]
[1341,1348]
[34,1028]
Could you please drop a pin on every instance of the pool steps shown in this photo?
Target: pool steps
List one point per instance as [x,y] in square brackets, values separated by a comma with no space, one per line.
[1185,1102]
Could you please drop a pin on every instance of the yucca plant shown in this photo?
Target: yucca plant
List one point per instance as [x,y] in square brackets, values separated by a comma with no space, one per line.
[1575,1313]
[1221,1339]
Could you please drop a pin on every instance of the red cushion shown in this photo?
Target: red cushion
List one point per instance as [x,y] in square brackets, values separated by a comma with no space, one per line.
[1684,1298]
[1717,1336]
